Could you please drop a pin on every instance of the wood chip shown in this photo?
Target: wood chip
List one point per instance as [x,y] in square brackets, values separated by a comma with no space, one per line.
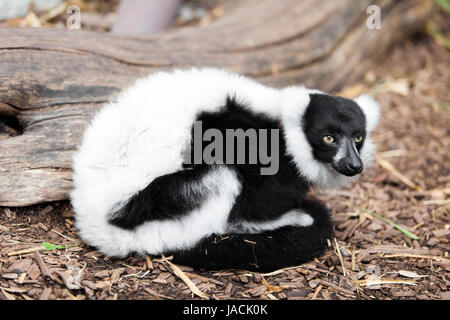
[336,287]
[10,276]
[45,295]
[10,214]
[14,290]
[102,274]
[115,275]
[89,284]
[404,293]
[313,283]
[258,291]
[20,266]
[46,210]
[21,278]
[45,271]
[243,278]
[441,233]
[7,295]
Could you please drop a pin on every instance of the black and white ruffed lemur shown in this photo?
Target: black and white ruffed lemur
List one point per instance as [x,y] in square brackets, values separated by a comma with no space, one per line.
[133,191]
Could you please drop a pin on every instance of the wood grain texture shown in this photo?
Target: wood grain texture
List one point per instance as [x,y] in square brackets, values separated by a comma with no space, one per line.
[52,80]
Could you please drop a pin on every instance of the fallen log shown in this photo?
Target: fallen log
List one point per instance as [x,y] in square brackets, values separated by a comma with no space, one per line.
[53,80]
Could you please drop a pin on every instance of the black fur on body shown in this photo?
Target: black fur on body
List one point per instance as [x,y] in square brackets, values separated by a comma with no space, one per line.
[263,197]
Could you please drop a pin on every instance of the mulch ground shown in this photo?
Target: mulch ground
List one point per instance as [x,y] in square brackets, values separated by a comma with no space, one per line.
[371,257]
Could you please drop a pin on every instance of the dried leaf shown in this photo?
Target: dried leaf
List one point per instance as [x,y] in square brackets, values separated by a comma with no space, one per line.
[352,91]
[399,86]
[410,274]
[71,277]
[270,287]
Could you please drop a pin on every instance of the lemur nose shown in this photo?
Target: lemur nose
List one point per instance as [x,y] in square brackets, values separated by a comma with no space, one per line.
[356,167]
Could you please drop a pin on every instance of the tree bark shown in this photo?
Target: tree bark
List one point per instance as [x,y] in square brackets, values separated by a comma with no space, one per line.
[52,80]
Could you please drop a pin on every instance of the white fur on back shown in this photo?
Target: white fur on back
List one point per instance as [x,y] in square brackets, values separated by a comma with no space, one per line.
[141,136]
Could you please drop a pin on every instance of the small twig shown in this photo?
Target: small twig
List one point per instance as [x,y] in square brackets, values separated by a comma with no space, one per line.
[187,281]
[439,202]
[153,293]
[409,255]
[164,259]
[149,262]
[389,167]
[339,254]
[372,282]
[273,273]
[353,260]
[140,274]
[71,296]
[393,153]
[336,287]
[25,251]
[65,237]
[316,292]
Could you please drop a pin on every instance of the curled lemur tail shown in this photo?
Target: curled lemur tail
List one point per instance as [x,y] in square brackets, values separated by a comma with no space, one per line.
[264,252]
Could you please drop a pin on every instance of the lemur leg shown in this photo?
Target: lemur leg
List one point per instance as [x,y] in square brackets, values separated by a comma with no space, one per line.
[167,196]
[266,251]
[294,218]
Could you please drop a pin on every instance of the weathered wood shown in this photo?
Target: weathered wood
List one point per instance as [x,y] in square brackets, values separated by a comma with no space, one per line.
[53,80]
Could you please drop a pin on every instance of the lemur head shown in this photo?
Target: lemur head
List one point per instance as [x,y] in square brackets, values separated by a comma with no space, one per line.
[335,128]
[328,136]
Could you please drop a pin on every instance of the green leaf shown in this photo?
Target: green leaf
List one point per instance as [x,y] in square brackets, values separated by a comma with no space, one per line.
[437,36]
[396,226]
[445,4]
[50,246]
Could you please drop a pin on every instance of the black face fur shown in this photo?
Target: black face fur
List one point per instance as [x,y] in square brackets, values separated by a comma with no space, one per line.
[342,120]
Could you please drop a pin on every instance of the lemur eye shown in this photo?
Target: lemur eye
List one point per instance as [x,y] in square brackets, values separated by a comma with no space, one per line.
[328,139]
[359,139]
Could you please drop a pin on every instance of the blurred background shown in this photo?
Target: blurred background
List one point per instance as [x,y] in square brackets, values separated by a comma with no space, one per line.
[118,16]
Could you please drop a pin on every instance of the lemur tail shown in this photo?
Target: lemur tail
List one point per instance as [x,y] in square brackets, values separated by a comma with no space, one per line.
[264,252]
